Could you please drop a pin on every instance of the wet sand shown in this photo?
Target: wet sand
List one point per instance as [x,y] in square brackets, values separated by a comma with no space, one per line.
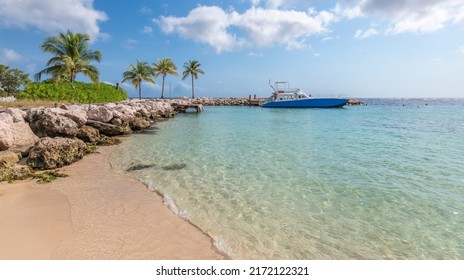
[94,214]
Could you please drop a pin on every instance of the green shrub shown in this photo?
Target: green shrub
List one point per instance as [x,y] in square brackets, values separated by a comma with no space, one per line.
[73,92]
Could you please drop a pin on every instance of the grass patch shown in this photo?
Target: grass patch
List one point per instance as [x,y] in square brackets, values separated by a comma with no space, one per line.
[29,103]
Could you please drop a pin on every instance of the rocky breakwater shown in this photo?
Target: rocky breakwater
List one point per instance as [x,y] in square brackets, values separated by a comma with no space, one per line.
[210,101]
[49,138]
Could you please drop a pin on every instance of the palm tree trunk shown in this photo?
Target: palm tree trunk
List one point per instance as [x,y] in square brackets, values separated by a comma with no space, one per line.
[162,88]
[193,91]
[140,91]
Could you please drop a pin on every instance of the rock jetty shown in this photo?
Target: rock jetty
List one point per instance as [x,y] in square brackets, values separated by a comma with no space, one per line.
[49,138]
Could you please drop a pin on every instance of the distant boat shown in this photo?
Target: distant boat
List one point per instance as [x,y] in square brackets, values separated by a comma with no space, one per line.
[285,97]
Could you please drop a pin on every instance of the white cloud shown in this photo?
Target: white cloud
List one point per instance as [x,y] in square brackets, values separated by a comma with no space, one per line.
[360,34]
[350,12]
[255,54]
[267,27]
[204,24]
[8,56]
[145,10]
[130,43]
[147,30]
[461,49]
[406,16]
[432,20]
[52,15]
[256,27]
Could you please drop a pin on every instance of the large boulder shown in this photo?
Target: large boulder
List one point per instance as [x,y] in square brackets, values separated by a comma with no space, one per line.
[17,114]
[50,153]
[8,159]
[109,129]
[6,136]
[100,114]
[88,134]
[47,122]
[6,118]
[124,112]
[75,113]
[137,124]
[23,138]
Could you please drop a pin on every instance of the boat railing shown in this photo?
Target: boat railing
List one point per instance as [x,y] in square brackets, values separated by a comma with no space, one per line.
[330,96]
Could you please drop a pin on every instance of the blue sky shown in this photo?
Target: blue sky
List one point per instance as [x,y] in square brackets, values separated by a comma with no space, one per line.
[359,48]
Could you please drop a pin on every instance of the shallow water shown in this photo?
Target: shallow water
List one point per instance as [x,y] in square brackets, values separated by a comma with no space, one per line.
[382,181]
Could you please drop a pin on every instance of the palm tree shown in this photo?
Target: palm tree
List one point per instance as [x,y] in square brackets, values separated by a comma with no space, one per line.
[163,67]
[72,55]
[192,68]
[141,72]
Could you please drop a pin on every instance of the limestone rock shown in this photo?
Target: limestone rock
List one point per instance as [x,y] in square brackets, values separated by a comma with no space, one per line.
[109,129]
[50,153]
[108,141]
[6,136]
[17,114]
[46,122]
[8,158]
[75,113]
[6,118]
[23,138]
[100,113]
[124,112]
[88,134]
[137,124]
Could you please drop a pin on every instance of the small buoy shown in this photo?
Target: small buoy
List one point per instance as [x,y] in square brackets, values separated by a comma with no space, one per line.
[455,213]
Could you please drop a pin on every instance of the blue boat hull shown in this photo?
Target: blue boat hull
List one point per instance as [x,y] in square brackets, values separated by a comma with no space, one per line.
[308,103]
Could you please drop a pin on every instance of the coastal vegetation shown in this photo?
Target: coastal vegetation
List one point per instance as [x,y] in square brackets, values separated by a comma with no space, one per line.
[71,55]
[11,80]
[164,67]
[192,68]
[72,92]
[138,73]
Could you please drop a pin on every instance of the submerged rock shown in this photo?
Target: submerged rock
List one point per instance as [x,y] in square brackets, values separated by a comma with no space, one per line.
[176,166]
[50,153]
[139,167]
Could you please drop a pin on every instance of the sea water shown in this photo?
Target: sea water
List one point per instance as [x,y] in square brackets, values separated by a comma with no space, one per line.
[383,181]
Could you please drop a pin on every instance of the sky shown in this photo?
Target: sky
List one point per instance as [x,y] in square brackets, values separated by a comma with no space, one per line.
[355,48]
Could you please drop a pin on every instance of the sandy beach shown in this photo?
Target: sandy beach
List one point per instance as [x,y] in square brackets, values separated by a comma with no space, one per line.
[94,214]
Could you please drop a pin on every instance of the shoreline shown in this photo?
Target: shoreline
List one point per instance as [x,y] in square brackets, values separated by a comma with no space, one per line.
[95,213]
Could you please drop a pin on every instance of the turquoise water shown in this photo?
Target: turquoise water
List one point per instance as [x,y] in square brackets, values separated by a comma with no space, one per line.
[383,181]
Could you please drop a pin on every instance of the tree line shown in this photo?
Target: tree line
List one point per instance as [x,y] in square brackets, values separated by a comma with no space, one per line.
[71,55]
